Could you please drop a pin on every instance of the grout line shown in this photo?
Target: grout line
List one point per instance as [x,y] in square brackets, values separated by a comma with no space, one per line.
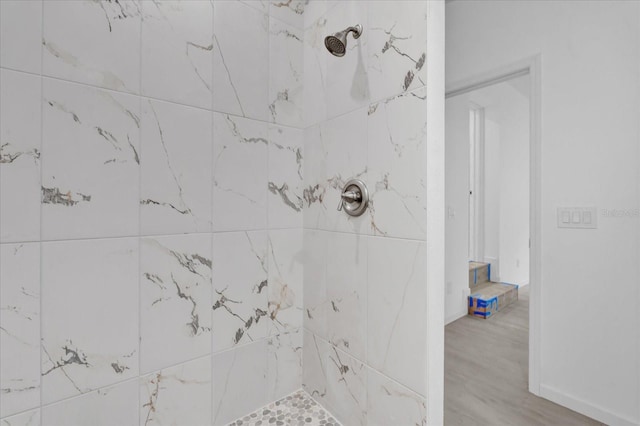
[152,98]
[381,237]
[69,398]
[369,103]
[146,97]
[174,365]
[133,378]
[58,240]
[270,332]
[40,251]
[212,414]
[391,379]
[367,309]
[139,211]
[250,3]
[240,345]
[329,231]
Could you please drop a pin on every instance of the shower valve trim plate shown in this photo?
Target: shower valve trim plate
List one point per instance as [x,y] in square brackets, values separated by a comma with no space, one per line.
[354,198]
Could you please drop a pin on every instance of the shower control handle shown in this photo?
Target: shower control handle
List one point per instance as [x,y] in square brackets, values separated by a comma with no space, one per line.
[354,198]
[351,196]
[348,197]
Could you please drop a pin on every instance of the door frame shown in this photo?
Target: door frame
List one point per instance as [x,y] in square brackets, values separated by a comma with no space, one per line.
[476,185]
[434,195]
[531,66]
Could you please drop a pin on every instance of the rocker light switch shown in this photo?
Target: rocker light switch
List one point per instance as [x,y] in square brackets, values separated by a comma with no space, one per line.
[577,217]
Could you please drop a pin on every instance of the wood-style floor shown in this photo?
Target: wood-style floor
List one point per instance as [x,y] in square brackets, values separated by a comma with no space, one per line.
[486,373]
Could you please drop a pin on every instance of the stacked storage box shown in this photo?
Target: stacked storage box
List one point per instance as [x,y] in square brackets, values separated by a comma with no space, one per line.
[488,297]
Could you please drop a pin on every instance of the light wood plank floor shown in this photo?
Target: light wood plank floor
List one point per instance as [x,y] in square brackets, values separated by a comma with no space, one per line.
[486,373]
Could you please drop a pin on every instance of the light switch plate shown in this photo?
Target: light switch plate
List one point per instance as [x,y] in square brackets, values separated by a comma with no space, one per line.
[578,217]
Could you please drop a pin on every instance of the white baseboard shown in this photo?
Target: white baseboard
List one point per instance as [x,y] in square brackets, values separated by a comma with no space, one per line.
[452,318]
[598,413]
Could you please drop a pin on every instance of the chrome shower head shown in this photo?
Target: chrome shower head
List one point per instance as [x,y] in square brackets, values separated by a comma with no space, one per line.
[336,44]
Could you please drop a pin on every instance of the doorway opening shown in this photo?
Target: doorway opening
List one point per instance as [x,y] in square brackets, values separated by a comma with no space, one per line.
[487,197]
[488,173]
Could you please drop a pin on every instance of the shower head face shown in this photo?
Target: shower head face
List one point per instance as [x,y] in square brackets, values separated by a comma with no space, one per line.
[336,44]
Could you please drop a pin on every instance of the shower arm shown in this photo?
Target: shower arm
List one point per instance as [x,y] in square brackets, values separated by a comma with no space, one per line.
[357,31]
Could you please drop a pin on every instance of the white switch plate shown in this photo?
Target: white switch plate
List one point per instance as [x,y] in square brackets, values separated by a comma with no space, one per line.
[578,217]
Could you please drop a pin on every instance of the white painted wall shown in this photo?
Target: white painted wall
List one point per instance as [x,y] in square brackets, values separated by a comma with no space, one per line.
[589,283]
[506,110]
[511,113]
[457,202]
[492,195]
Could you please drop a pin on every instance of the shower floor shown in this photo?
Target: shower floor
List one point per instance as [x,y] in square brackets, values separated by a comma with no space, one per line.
[297,409]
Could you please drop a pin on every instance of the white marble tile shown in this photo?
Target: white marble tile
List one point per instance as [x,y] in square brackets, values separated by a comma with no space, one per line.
[314,374]
[286,67]
[315,171]
[179,395]
[346,387]
[345,143]
[239,173]
[175,299]
[19,327]
[315,282]
[175,191]
[286,177]
[284,364]
[397,134]
[90,162]
[89,316]
[389,403]
[330,4]
[20,147]
[29,418]
[397,46]
[240,274]
[397,296]
[315,71]
[21,35]
[233,370]
[261,5]
[313,10]
[115,405]
[346,310]
[285,280]
[289,11]
[241,60]
[177,51]
[348,85]
[108,52]
[336,152]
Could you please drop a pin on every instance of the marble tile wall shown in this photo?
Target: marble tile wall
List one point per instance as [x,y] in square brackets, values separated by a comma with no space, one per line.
[151,210]
[163,248]
[365,278]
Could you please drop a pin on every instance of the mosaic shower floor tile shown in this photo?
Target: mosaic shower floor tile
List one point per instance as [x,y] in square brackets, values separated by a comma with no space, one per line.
[297,409]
